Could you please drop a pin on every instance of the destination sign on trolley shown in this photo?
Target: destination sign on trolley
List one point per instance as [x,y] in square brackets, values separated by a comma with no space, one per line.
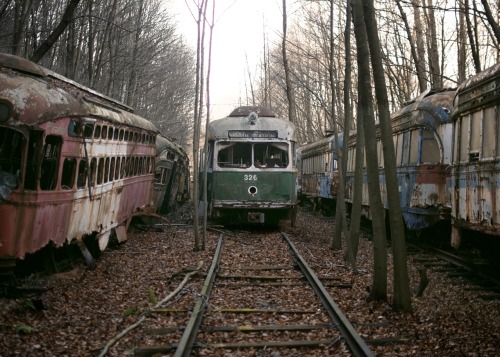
[253,134]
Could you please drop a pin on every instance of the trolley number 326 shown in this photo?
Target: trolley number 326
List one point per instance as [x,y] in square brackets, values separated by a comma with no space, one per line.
[250,177]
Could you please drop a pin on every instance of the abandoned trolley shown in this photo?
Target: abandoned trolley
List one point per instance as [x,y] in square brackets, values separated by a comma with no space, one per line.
[476,161]
[171,185]
[75,165]
[318,174]
[422,140]
[251,167]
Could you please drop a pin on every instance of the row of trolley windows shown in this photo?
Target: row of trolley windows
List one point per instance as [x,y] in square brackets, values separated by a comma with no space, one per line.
[107,132]
[476,135]
[102,170]
[412,147]
[318,164]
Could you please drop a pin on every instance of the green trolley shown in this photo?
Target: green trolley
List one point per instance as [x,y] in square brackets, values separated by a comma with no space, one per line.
[251,170]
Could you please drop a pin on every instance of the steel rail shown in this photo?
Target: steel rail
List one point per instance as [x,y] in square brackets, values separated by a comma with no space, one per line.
[188,337]
[356,343]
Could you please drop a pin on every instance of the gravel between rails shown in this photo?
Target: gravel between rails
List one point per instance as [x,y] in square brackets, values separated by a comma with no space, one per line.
[84,309]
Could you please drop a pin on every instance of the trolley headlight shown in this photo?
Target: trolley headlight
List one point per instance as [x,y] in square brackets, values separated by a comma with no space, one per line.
[5,112]
[252,190]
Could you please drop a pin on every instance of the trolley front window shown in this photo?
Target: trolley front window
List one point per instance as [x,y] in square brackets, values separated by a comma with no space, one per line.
[243,155]
[235,155]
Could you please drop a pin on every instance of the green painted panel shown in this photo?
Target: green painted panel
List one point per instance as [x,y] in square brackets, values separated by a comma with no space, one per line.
[275,186]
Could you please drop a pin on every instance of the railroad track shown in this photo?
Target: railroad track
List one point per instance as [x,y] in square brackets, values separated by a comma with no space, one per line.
[457,266]
[260,303]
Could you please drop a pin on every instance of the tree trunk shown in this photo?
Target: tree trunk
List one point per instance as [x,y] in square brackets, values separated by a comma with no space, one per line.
[419,40]
[341,225]
[205,149]
[196,131]
[357,197]
[434,68]
[422,82]
[22,10]
[472,39]
[49,42]
[134,68]
[365,112]
[353,239]
[491,20]
[288,81]
[402,295]
[461,44]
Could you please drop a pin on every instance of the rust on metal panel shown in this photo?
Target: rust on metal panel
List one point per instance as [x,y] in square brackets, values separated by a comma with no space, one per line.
[432,173]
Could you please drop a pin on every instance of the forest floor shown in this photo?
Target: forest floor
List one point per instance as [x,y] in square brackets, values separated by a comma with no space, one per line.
[84,309]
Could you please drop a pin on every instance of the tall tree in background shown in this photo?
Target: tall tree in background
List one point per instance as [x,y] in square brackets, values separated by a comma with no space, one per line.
[402,296]
[96,49]
[472,36]
[132,82]
[57,32]
[21,12]
[461,43]
[432,46]
[340,216]
[491,20]
[198,110]
[288,81]
[207,121]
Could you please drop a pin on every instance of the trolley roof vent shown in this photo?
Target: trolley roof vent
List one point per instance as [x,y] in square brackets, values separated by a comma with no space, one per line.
[252,118]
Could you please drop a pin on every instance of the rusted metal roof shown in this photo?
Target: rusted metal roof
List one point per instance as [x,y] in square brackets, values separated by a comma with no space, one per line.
[246,110]
[261,126]
[37,95]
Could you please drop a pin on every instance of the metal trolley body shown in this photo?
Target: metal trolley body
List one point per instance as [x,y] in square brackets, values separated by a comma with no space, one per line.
[476,157]
[318,174]
[422,140]
[73,163]
[171,185]
[252,172]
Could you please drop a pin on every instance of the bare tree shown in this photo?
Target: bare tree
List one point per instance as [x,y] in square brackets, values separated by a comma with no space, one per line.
[288,82]
[207,121]
[432,46]
[198,106]
[491,20]
[461,43]
[402,296]
[366,118]
[471,33]
[52,38]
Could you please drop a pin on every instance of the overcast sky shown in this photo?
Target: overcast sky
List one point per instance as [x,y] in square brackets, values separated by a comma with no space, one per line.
[238,36]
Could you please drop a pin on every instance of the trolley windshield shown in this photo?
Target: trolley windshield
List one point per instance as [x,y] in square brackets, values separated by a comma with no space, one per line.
[268,155]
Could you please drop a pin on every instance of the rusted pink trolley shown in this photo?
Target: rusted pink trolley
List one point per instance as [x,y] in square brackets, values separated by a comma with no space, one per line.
[75,165]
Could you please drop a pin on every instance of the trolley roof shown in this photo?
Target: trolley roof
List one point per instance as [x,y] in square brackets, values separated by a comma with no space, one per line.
[478,90]
[251,123]
[31,94]
[433,107]
[323,145]
[163,143]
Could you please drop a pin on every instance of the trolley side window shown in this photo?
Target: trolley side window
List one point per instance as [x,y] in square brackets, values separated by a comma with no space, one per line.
[68,173]
[10,150]
[430,148]
[32,162]
[50,162]
[489,131]
[82,174]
